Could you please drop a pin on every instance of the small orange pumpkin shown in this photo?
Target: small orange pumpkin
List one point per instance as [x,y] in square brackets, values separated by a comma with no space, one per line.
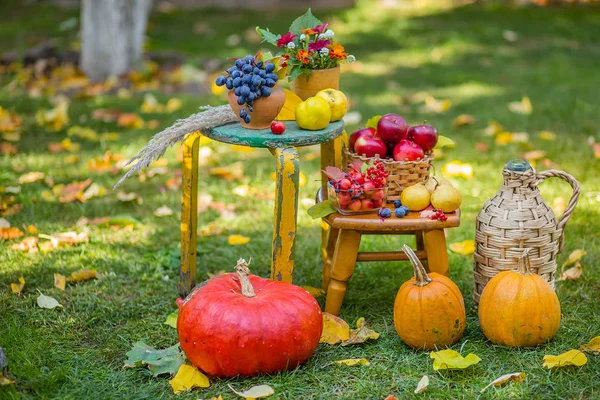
[429,311]
[519,308]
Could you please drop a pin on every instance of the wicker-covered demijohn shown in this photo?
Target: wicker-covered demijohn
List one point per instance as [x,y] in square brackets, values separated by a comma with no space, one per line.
[515,219]
[402,174]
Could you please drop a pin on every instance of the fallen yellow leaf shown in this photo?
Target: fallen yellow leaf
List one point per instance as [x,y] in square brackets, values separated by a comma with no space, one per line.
[83,133]
[130,120]
[82,275]
[288,111]
[450,359]
[593,346]
[255,392]
[4,381]
[54,119]
[361,334]
[10,233]
[493,128]
[422,385]
[516,377]
[574,257]
[458,169]
[163,211]
[465,247]
[62,239]
[570,358]
[534,155]
[17,288]
[60,281]
[504,138]
[463,119]
[559,205]
[31,177]
[436,106]
[187,378]
[234,240]
[315,292]
[353,361]
[572,274]
[335,329]
[547,135]
[232,172]
[28,244]
[521,107]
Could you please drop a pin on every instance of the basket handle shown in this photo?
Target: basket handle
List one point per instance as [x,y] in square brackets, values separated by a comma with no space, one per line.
[553,173]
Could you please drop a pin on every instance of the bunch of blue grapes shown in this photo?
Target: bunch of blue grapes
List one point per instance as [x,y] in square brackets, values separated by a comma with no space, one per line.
[249,80]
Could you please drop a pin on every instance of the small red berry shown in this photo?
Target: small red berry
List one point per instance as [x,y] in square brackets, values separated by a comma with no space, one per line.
[277,127]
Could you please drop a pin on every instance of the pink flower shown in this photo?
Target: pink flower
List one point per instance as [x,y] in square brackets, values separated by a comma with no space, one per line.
[285,39]
[321,28]
[318,45]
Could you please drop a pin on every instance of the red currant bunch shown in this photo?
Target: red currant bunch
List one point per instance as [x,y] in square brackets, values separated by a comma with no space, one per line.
[377,174]
[439,215]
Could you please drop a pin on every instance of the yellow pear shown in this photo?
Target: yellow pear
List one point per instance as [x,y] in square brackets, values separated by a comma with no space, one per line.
[313,114]
[446,197]
[415,197]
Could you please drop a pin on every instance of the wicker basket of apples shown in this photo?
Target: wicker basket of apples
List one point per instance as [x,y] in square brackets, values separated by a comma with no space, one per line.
[405,151]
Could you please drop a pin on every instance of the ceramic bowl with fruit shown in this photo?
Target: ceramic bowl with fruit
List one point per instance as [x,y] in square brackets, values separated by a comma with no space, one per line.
[361,190]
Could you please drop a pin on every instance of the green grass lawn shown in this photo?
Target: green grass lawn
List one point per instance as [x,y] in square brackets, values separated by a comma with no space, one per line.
[453,53]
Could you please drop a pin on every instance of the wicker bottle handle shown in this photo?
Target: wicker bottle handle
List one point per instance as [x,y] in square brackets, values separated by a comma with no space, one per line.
[574,197]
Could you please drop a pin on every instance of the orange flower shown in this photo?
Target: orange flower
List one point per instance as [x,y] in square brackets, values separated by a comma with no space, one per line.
[309,31]
[304,56]
[336,50]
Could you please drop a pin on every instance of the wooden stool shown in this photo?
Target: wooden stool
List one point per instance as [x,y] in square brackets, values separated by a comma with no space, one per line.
[341,252]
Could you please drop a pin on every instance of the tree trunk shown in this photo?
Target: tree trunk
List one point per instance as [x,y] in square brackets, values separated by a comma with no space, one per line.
[112,36]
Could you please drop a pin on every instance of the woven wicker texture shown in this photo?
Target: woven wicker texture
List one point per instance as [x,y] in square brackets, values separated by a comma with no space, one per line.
[516,219]
[402,174]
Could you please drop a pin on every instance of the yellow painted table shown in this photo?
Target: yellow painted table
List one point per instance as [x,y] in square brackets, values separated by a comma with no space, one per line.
[284,148]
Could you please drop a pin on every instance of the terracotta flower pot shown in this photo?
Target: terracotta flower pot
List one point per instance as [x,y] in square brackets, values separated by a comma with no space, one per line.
[265,109]
[307,86]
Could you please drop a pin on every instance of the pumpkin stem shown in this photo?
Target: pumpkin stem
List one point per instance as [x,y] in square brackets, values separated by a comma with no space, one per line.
[524,265]
[242,271]
[421,276]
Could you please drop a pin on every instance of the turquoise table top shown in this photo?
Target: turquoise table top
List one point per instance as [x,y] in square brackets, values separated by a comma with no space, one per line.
[293,136]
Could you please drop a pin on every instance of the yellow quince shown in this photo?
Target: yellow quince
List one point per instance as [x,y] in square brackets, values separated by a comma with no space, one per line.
[337,102]
[313,114]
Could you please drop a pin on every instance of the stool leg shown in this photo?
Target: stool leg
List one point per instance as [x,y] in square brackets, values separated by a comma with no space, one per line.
[189,215]
[286,213]
[344,260]
[331,155]
[437,255]
[328,256]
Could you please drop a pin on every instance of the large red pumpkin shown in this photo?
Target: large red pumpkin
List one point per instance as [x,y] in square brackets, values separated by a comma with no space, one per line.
[244,324]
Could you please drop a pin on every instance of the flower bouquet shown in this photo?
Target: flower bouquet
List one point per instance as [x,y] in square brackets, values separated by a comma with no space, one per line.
[310,53]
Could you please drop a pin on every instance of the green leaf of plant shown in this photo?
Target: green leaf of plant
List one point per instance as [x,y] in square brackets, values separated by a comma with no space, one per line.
[48,302]
[165,361]
[372,122]
[268,36]
[295,72]
[307,20]
[172,320]
[322,209]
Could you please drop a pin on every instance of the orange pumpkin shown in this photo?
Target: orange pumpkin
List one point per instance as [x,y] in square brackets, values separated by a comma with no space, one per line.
[519,308]
[429,311]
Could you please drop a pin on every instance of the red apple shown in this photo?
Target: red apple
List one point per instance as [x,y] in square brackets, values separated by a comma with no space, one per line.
[392,128]
[407,150]
[360,133]
[277,127]
[425,136]
[369,146]
[345,184]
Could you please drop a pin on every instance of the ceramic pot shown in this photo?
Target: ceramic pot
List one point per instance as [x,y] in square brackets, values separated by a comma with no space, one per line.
[265,109]
[306,86]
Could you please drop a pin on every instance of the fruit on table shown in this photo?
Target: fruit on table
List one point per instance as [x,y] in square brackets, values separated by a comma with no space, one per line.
[415,197]
[385,212]
[241,324]
[277,127]
[359,133]
[519,308]
[392,128]
[446,197]
[425,136]
[313,114]
[429,311]
[338,103]
[370,146]
[406,150]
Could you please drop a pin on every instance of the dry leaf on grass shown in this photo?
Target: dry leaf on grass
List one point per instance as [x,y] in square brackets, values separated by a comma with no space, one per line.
[27,244]
[559,205]
[95,190]
[516,377]
[4,381]
[171,320]
[458,169]
[17,288]
[130,120]
[533,155]
[335,329]
[352,361]
[361,334]
[481,147]
[521,107]
[163,211]
[159,361]
[54,119]
[129,197]
[31,177]
[71,192]
[432,105]
[66,238]
[187,378]
[210,229]
[4,223]
[11,233]
[48,302]
[60,281]
[232,172]
[422,385]
[8,149]
[572,274]
[463,119]
[573,358]
[465,247]
[593,346]
[574,257]
[547,135]
[450,359]
[315,292]
[255,392]
[234,240]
